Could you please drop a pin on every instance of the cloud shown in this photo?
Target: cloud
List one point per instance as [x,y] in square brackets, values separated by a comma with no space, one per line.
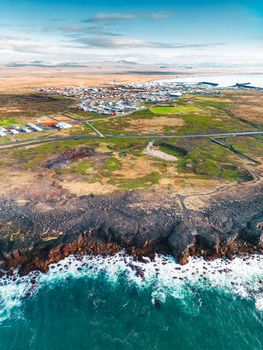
[10,38]
[21,45]
[102,31]
[159,15]
[124,17]
[81,40]
[109,17]
[36,49]
[125,42]
[76,31]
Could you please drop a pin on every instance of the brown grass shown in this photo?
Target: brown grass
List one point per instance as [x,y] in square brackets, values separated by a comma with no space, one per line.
[249,105]
[154,125]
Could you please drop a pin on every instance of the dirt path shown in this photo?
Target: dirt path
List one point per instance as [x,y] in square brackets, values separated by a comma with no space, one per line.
[257,179]
[151,151]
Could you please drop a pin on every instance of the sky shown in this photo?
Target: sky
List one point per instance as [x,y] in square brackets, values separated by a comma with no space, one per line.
[176,32]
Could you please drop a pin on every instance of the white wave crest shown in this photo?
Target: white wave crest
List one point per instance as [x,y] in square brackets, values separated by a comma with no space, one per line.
[242,277]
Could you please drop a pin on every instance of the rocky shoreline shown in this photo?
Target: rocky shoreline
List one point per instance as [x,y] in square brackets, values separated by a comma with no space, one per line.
[33,235]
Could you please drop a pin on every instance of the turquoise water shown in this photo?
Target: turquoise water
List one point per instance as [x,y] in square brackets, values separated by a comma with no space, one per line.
[106,304]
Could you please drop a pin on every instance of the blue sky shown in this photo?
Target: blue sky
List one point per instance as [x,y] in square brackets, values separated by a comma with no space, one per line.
[175,32]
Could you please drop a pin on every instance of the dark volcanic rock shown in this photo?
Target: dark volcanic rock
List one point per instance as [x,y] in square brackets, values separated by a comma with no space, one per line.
[70,156]
[32,237]
[181,239]
[253,231]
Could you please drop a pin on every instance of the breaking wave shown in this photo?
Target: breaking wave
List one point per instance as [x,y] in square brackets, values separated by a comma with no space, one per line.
[163,277]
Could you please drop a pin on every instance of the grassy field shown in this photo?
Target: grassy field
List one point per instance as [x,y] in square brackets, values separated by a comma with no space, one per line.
[207,159]
[23,108]
[175,110]
[120,164]
[4,122]
[189,115]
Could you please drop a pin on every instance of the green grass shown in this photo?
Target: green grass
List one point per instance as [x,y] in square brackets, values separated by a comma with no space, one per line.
[230,174]
[114,126]
[32,158]
[142,114]
[146,181]
[112,164]
[132,146]
[198,118]
[79,167]
[210,123]
[206,167]
[209,160]
[206,99]
[7,122]
[252,146]
[175,110]
[171,151]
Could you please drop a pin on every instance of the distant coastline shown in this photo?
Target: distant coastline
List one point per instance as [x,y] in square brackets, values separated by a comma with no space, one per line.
[255,79]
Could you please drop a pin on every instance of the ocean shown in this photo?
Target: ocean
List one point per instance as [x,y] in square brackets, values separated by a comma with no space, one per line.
[118,303]
[222,80]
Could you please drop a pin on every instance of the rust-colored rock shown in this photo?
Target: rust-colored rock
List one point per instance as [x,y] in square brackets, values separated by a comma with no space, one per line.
[106,225]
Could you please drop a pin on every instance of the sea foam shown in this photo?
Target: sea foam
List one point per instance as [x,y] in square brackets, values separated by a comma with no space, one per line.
[242,277]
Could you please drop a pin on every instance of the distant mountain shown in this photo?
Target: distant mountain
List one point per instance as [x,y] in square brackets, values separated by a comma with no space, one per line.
[111,64]
[127,62]
[45,64]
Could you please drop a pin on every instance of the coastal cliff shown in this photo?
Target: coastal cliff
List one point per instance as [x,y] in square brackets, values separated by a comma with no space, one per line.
[34,235]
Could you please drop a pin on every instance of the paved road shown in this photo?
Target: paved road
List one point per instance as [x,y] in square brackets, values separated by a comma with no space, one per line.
[36,141]
[93,128]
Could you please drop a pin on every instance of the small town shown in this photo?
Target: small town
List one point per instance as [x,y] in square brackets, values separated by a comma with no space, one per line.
[128,98]
[116,100]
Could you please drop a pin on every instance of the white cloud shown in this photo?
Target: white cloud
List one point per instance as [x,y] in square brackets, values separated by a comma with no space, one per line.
[128,16]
